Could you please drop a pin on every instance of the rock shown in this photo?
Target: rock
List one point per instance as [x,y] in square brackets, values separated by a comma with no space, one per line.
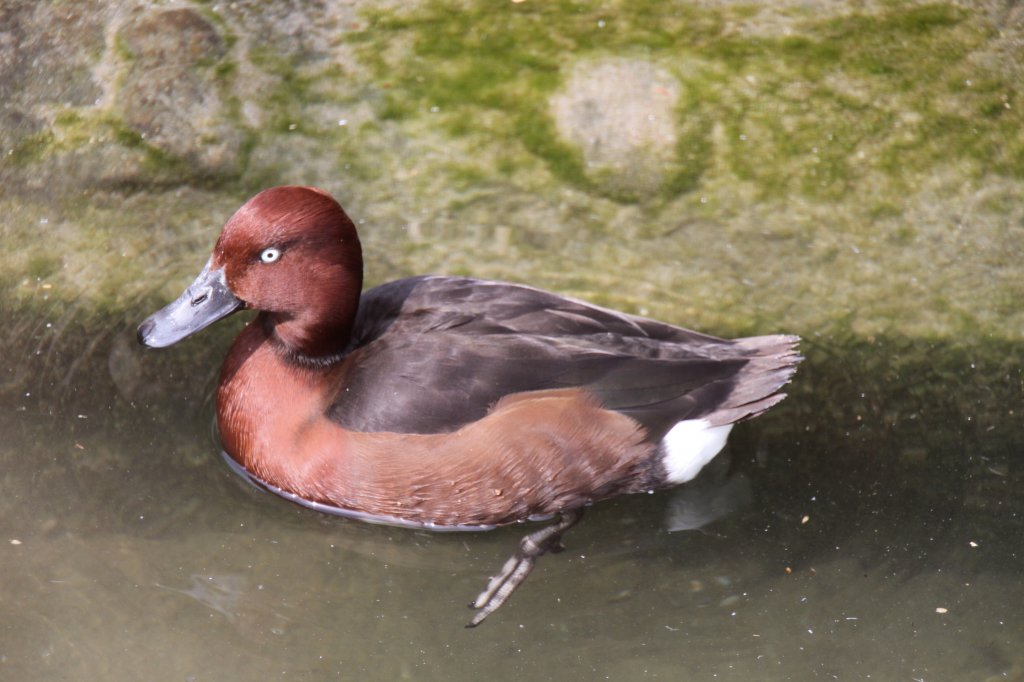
[621,114]
[38,39]
[309,30]
[171,93]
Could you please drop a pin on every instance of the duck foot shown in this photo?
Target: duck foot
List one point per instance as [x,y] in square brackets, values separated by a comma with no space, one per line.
[501,586]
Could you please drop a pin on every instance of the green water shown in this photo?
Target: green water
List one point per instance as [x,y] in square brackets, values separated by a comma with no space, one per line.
[886,488]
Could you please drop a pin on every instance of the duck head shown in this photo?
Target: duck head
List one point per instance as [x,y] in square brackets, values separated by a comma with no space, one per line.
[291,253]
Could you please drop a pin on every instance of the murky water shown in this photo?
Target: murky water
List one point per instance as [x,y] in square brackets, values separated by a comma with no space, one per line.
[882,538]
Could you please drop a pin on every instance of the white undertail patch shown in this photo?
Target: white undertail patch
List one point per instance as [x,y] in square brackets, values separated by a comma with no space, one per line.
[689,445]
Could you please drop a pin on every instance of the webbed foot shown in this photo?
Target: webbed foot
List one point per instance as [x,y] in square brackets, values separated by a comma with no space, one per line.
[501,586]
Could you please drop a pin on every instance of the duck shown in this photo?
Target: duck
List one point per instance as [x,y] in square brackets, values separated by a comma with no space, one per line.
[450,403]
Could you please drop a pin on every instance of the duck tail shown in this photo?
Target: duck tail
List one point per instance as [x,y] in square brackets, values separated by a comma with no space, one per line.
[772,362]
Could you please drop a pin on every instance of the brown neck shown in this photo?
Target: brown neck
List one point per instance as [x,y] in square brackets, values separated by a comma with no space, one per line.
[266,403]
[319,333]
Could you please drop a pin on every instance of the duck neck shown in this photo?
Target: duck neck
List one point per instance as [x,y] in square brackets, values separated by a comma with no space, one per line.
[318,335]
[270,411]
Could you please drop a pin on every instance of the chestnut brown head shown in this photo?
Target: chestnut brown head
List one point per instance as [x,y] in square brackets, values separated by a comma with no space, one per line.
[290,252]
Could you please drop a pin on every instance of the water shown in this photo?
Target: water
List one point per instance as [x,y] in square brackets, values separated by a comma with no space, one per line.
[882,540]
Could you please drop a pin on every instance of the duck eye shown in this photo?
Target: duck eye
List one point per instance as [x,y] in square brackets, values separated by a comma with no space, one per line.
[270,255]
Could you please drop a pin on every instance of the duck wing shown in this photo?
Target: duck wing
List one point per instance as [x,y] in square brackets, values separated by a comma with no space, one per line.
[431,354]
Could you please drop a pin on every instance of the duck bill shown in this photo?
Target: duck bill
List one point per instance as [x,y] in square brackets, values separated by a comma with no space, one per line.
[206,300]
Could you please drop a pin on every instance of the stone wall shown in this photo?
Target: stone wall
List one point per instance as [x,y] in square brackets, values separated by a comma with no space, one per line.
[736,167]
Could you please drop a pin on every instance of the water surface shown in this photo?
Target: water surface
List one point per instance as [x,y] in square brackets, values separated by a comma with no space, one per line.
[882,540]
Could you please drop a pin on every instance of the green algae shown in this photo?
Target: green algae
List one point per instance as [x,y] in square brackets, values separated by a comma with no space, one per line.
[31,149]
[74,130]
[42,265]
[291,92]
[813,113]
[797,199]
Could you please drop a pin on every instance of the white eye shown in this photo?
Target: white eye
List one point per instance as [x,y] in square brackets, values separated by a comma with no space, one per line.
[270,255]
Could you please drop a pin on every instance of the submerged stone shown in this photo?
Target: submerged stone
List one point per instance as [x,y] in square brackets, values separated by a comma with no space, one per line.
[170,95]
[45,63]
[620,113]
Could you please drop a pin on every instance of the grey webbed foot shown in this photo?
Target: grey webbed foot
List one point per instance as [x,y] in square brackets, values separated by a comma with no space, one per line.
[501,586]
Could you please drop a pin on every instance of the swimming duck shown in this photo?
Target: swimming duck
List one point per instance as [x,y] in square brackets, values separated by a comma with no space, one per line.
[451,403]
